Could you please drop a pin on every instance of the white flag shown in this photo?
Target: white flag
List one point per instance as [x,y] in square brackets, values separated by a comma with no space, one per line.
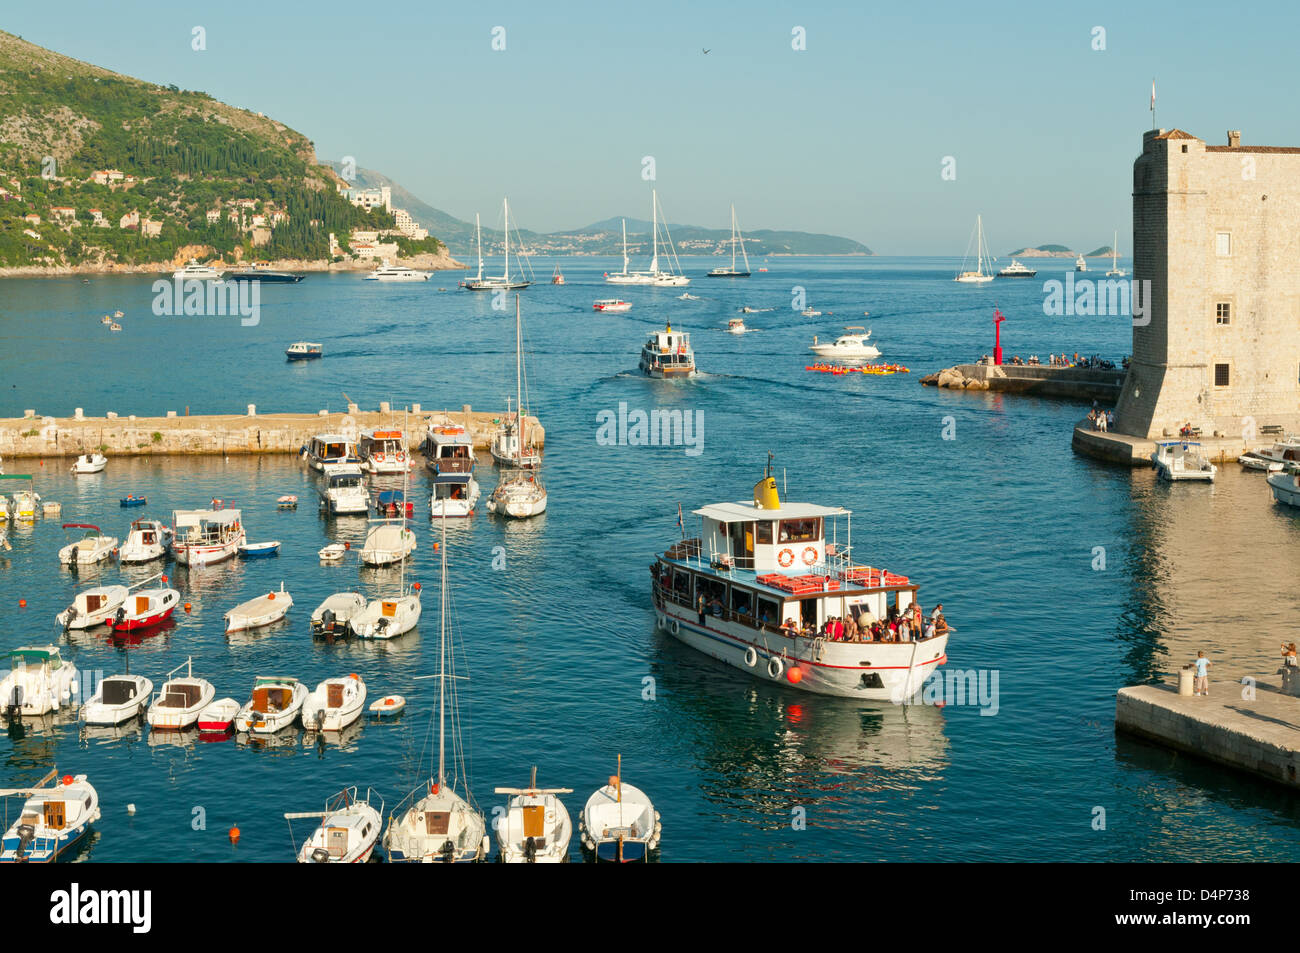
[1153,94]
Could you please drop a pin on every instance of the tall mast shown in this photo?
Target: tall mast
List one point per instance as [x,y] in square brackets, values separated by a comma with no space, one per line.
[741,239]
[654,229]
[478,229]
[442,660]
[624,246]
[519,377]
[733,237]
[506,206]
[1114,252]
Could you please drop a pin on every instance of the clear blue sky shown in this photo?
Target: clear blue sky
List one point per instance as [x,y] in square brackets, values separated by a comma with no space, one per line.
[845,137]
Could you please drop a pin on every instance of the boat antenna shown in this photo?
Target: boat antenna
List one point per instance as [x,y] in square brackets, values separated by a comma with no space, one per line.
[768,472]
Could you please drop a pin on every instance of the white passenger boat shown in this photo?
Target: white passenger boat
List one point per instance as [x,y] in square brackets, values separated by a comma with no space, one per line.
[387,272]
[55,816]
[92,607]
[611,304]
[505,281]
[334,704]
[327,448]
[94,546]
[388,543]
[146,541]
[979,275]
[258,612]
[118,698]
[619,824]
[668,354]
[344,490]
[852,347]
[348,830]
[332,617]
[1285,487]
[771,574]
[1080,264]
[384,451]
[518,494]
[197,272]
[206,537]
[536,827]
[511,446]
[90,463]
[180,700]
[1182,460]
[275,704]
[39,682]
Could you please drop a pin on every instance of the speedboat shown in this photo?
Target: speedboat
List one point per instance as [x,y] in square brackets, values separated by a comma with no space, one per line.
[303,351]
[1016,270]
[39,682]
[536,827]
[90,463]
[93,547]
[518,494]
[326,448]
[344,491]
[386,544]
[387,272]
[667,354]
[736,326]
[275,704]
[331,617]
[384,451]
[196,271]
[848,347]
[611,304]
[92,607]
[147,540]
[52,821]
[334,704]
[180,700]
[206,537]
[388,618]
[1285,453]
[454,495]
[145,608]
[219,717]
[1182,460]
[118,698]
[619,824]
[348,830]
[259,612]
[26,506]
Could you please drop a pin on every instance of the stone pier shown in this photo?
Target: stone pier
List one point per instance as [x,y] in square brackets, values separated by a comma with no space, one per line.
[1069,383]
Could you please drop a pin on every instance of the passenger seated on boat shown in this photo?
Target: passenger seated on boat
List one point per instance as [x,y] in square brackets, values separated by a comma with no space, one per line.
[789,627]
[715,606]
[1288,653]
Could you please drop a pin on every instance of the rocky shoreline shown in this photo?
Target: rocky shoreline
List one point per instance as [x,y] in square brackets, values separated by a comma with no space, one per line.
[426,262]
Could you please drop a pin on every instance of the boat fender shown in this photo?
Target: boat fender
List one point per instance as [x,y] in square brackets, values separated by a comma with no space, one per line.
[751,656]
[675,627]
[775,667]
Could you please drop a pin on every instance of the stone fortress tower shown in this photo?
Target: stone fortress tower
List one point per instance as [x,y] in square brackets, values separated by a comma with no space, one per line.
[1216,231]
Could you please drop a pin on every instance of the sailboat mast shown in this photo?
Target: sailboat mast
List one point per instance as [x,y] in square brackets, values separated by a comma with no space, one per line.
[733,238]
[505,205]
[478,229]
[624,246]
[442,662]
[519,376]
[654,229]
[979,244]
[1114,252]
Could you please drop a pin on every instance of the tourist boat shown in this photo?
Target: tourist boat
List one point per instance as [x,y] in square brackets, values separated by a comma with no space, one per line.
[55,816]
[736,326]
[145,608]
[146,541]
[505,281]
[332,617]
[454,495]
[287,502]
[344,491]
[387,272]
[93,547]
[668,354]
[1182,460]
[771,573]
[92,607]
[736,239]
[387,543]
[391,504]
[1284,453]
[259,550]
[558,277]
[259,612]
[619,824]
[1080,264]
[180,700]
[388,706]
[348,831]
[383,451]
[979,275]
[132,500]
[118,698]
[536,827]
[219,717]
[611,304]
[275,704]
[206,537]
[518,494]
[327,448]
[334,704]
[511,446]
[90,463]
[262,274]
[448,449]
[1115,270]
[1017,270]
[849,347]
[197,272]
[1285,487]
[39,682]
[332,552]
[303,351]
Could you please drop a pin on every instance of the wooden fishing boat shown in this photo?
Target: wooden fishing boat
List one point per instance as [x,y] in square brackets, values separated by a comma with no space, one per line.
[619,824]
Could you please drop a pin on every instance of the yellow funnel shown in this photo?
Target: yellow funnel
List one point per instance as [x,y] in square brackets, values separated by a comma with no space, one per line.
[765,494]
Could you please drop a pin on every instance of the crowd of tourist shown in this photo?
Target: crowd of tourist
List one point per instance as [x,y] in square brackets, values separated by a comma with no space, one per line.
[1095,362]
[906,626]
[1101,420]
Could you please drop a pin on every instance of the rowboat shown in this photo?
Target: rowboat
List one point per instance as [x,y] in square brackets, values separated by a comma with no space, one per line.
[619,824]
[118,698]
[334,704]
[348,831]
[388,706]
[287,502]
[536,827]
[331,617]
[219,716]
[132,500]
[145,608]
[53,819]
[92,548]
[180,700]
[258,612]
[259,550]
[275,704]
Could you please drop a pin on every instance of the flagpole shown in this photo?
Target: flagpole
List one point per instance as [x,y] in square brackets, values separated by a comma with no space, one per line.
[1153,103]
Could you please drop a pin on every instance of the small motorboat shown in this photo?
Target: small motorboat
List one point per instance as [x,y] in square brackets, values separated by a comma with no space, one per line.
[219,717]
[536,827]
[387,544]
[334,704]
[393,503]
[180,700]
[348,830]
[54,818]
[1252,460]
[303,351]
[1179,460]
[287,502]
[148,607]
[611,304]
[119,314]
[619,824]
[259,550]
[118,698]
[736,326]
[275,704]
[148,540]
[333,616]
[810,313]
[115,326]
[25,505]
[93,547]
[132,500]
[388,618]
[39,682]
[388,706]
[90,463]
[261,611]
[333,552]
[48,508]
[1285,488]
[92,607]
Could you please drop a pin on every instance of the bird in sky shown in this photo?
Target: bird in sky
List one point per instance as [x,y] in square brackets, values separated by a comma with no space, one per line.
[706,52]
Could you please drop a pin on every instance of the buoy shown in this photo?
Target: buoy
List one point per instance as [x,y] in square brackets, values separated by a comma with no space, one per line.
[22,603]
[435,547]
[234,834]
[164,580]
[795,675]
[270,595]
[67,779]
[417,586]
[188,607]
[130,809]
[347,545]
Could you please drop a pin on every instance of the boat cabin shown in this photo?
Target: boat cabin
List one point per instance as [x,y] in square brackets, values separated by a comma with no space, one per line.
[450,450]
[381,445]
[204,527]
[118,690]
[330,448]
[272,695]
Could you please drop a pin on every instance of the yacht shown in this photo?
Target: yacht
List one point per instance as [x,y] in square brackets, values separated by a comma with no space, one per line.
[344,491]
[347,832]
[848,347]
[668,353]
[387,272]
[510,446]
[979,275]
[505,281]
[1017,270]
[626,277]
[656,276]
[558,277]
[1080,264]
[262,274]
[518,494]
[736,238]
[196,271]
[1115,270]
[1182,460]
[303,351]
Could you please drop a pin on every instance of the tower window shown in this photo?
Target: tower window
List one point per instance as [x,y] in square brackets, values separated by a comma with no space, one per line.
[1220,375]
[1223,244]
[1223,313]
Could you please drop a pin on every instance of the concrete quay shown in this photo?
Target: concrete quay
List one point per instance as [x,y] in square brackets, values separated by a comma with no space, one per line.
[1069,383]
[1259,735]
[1136,451]
[222,434]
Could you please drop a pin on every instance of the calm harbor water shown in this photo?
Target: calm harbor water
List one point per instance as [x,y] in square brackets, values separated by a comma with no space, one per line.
[1001,524]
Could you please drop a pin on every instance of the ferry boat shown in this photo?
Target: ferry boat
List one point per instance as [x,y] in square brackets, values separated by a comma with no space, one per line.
[387,272]
[55,816]
[39,682]
[1179,460]
[303,351]
[668,353]
[770,573]
[850,347]
[611,304]
[383,451]
[205,537]
[327,448]
[345,491]
[196,271]
[1017,270]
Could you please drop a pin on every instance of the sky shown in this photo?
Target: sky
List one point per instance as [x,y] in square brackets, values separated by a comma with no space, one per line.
[848,136]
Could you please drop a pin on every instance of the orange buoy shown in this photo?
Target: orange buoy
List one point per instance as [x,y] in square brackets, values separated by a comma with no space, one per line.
[347,545]
[67,779]
[795,675]
[22,603]
[435,547]
[234,834]
[164,580]
[417,587]
[188,607]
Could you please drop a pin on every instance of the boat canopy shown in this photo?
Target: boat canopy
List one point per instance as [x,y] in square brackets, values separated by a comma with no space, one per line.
[743,512]
[200,517]
[35,655]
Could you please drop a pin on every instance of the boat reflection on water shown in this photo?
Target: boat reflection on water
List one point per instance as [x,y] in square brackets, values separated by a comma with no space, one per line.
[131,730]
[345,740]
[283,742]
[173,738]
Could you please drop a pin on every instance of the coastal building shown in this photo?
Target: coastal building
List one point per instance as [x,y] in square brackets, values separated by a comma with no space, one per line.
[1216,232]
[371,198]
[106,176]
[97,219]
[129,220]
[31,218]
[64,213]
[409,226]
[150,228]
[213,215]
[31,234]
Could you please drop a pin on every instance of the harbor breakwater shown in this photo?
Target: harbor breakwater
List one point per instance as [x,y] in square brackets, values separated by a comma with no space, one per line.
[34,435]
[1070,383]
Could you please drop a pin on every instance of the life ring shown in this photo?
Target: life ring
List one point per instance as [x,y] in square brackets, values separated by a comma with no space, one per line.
[378,457]
[401,457]
[786,558]
[809,555]
[775,667]
[676,627]
[751,656]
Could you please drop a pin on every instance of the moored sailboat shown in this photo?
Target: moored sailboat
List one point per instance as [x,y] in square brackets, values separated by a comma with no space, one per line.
[736,238]
[979,275]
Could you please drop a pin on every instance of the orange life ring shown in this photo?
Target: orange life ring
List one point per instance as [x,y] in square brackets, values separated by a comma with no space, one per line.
[809,555]
[786,558]
[377,457]
[401,457]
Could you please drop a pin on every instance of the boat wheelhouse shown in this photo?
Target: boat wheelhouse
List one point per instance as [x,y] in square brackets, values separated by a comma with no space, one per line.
[327,448]
[756,588]
[668,353]
[344,491]
[205,537]
[384,451]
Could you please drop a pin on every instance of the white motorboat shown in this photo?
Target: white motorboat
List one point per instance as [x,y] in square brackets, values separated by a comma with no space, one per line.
[736,239]
[384,451]
[145,608]
[348,830]
[93,547]
[454,495]
[849,348]
[979,275]
[259,612]
[388,543]
[196,271]
[146,541]
[1285,487]
[25,504]
[1017,270]
[90,463]
[388,618]
[118,698]
[1182,460]
[668,354]
[327,448]
[180,700]
[1251,460]
[303,351]
[511,445]
[219,717]
[92,607]
[619,824]
[206,537]
[1285,453]
[387,272]
[275,704]
[344,491]
[736,326]
[505,281]
[332,552]
[334,704]
[333,616]
[611,304]
[519,494]
[1080,264]
[39,682]
[55,816]
[536,827]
